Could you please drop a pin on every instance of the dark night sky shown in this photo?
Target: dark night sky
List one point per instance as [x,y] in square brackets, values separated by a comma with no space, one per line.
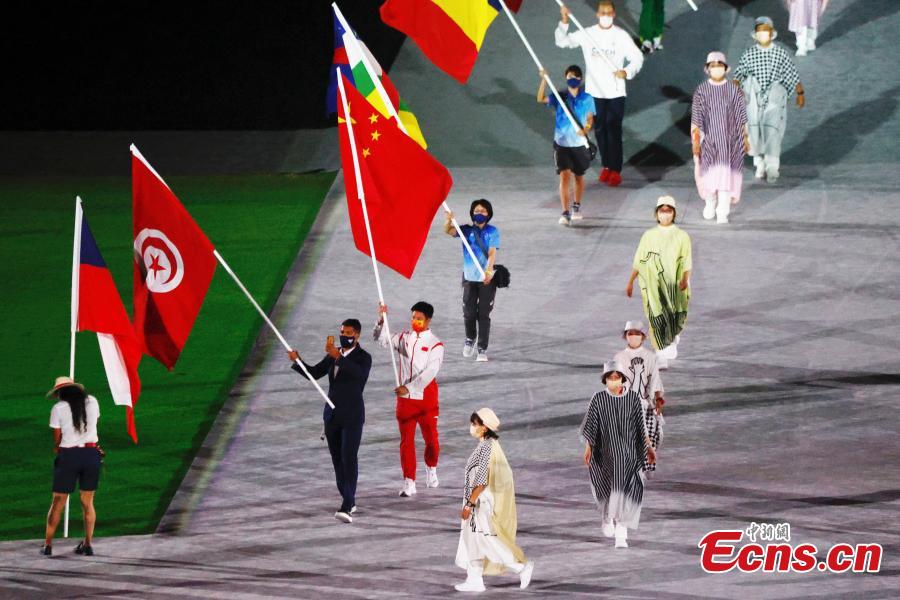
[191,65]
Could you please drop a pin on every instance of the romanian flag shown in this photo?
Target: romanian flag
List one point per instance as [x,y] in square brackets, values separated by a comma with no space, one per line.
[348,57]
[449,32]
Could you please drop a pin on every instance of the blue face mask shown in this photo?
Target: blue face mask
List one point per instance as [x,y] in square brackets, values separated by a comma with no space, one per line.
[573,82]
[480,218]
[347,342]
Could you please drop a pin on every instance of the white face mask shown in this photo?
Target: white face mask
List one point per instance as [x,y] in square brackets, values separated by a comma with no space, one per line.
[763,37]
[605,21]
[717,73]
[614,386]
[473,431]
[635,341]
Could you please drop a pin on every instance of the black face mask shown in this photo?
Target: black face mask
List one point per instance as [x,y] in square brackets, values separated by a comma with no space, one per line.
[347,341]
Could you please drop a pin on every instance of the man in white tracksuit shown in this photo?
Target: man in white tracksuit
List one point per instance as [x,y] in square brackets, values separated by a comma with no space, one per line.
[419,356]
[610,57]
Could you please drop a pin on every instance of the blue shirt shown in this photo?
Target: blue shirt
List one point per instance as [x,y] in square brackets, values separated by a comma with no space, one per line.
[565,134]
[490,237]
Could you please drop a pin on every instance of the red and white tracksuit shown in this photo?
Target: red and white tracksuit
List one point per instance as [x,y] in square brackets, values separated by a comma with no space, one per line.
[419,357]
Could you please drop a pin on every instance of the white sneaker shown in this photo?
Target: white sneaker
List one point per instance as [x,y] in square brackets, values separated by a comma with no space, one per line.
[709,211]
[525,575]
[657,43]
[431,478]
[811,35]
[482,356]
[576,212]
[761,170]
[772,175]
[469,349]
[621,536]
[409,488]
[343,517]
[565,220]
[608,529]
[469,586]
[353,510]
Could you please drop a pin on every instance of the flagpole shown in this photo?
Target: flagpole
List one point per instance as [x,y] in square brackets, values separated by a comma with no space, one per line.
[73,322]
[361,194]
[271,326]
[540,67]
[393,111]
[694,6]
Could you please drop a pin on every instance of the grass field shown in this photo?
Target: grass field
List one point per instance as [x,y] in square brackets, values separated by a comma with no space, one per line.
[257,222]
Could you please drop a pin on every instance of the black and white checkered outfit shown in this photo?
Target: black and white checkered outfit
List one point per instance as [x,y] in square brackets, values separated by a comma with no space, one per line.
[654,425]
[477,467]
[768,66]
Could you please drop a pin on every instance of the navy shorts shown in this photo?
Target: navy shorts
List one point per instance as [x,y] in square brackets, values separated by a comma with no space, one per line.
[72,465]
[577,160]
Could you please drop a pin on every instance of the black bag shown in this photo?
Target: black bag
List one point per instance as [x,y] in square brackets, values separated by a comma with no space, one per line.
[501,273]
[592,147]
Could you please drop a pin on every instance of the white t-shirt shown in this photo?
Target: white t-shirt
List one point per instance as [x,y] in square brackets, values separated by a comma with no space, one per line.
[616,48]
[61,418]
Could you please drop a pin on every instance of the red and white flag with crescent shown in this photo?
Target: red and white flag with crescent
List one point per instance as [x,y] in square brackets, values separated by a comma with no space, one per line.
[173,265]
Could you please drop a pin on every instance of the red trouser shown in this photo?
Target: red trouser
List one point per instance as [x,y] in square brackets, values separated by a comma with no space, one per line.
[425,413]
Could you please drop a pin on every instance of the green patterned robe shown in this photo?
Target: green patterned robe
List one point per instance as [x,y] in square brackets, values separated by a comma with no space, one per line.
[662,257]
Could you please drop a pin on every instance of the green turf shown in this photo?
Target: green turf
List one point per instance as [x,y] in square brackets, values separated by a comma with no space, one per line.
[256,222]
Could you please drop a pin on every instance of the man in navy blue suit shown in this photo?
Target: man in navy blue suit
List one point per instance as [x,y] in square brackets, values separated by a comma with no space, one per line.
[347,368]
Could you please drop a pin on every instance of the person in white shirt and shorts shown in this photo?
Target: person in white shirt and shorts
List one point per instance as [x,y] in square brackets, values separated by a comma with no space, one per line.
[74,422]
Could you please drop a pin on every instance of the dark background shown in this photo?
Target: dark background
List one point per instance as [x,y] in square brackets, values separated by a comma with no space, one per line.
[160,65]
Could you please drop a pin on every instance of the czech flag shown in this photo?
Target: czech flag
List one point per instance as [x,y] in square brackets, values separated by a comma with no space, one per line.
[449,32]
[100,309]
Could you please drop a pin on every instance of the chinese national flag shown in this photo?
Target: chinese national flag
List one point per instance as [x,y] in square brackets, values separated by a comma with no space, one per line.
[173,267]
[404,185]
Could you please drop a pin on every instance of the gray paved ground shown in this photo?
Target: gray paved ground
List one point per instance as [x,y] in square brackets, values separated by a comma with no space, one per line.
[782,405]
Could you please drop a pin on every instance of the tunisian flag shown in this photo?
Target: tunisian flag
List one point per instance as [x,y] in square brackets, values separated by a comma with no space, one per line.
[100,309]
[173,265]
[404,185]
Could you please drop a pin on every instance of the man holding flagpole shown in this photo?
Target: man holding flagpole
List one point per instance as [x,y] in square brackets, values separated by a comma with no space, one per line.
[610,57]
[420,354]
[347,367]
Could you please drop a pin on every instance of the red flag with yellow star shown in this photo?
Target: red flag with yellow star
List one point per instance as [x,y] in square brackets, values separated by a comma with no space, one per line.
[404,185]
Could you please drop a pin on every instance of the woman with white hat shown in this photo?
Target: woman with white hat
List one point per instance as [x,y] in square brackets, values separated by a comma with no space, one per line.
[616,448]
[487,538]
[74,422]
[719,139]
[662,261]
[768,76]
[639,364]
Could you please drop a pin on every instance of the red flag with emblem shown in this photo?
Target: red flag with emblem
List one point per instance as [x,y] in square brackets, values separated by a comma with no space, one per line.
[404,185]
[174,265]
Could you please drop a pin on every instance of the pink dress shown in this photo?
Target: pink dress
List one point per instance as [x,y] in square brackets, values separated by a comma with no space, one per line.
[805,14]
[719,112]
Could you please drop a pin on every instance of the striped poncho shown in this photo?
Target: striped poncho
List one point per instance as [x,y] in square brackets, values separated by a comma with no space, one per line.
[614,427]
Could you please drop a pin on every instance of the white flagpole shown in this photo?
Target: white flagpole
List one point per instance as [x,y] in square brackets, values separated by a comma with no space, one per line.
[393,111]
[361,194]
[271,325]
[76,260]
[691,2]
[540,67]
